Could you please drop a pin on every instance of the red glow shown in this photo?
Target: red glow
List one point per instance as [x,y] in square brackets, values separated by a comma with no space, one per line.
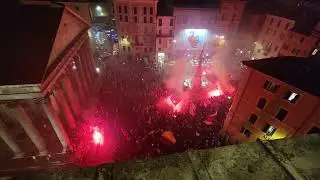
[97,136]
[173,103]
[215,93]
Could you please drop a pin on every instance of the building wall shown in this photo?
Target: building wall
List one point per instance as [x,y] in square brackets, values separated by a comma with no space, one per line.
[272,36]
[137,31]
[164,37]
[297,44]
[231,15]
[301,116]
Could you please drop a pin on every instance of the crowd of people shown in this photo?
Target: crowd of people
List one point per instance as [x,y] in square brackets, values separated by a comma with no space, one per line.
[128,101]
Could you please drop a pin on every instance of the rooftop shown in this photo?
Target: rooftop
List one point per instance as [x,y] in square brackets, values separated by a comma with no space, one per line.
[302,73]
[28,42]
[290,158]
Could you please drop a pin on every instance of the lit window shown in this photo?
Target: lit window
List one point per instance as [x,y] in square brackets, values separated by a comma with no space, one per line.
[314,52]
[282,114]
[253,118]
[261,103]
[270,87]
[269,130]
[291,96]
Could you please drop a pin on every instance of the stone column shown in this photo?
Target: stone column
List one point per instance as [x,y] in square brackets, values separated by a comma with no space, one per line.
[84,68]
[72,95]
[56,124]
[31,130]
[81,75]
[78,86]
[65,107]
[7,138]
[91,68]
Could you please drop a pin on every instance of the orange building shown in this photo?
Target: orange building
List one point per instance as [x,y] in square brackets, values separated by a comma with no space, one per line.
[276,98]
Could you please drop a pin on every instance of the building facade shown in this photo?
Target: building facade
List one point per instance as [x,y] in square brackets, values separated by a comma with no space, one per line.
[272,36]
[41,104]
[136,25]
[207,27]
[164,38]
[276,98]
[282,36]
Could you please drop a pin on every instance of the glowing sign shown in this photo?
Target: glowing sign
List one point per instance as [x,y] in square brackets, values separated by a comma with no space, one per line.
[195,38]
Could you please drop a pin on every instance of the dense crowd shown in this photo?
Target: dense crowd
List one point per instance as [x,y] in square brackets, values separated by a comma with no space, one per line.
[128,101]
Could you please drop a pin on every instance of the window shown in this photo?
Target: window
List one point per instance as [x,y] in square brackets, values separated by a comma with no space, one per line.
[159,41]
[274,32]
[120,17]
[314,130]
[150,49]
[145,49]
[135,18]
[253,118]
[126,18]
[135,10]
[119,9]
[278,25]
[129,49]
[281,114]
[275,48]
[261,103]
[124,48]
[246,132]
[144,10]
[171,22]
[270,87]
[160,32]
[151,19]
[281,36]
[269,130]
[291,96]
[125,9]
[287,26]
[160,22]
[301,40]
[271,21]
[145,19]
[159,49]
[151,10]
[285,47]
